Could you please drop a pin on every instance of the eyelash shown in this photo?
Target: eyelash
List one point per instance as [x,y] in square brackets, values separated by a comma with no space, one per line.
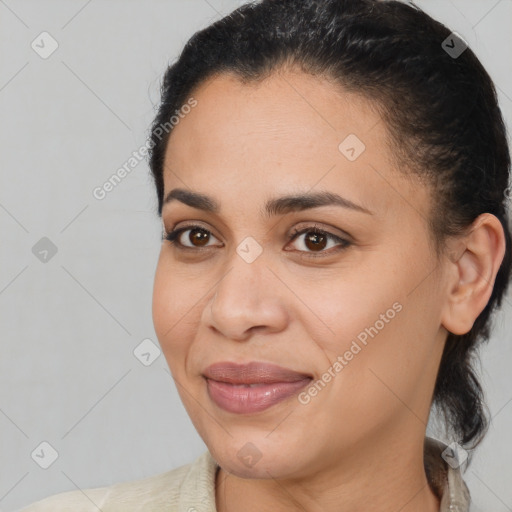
[174,235]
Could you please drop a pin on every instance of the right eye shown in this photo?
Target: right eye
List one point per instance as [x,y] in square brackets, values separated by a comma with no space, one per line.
[197,238]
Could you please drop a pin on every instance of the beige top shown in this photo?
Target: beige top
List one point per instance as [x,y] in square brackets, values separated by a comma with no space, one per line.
[191,488]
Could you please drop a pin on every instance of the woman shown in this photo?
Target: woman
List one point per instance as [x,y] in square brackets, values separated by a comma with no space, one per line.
[332,181]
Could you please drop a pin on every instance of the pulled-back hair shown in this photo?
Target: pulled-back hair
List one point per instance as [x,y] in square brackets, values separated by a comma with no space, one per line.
[441,111]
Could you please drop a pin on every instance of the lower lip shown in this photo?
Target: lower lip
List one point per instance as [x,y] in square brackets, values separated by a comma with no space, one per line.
[242,399]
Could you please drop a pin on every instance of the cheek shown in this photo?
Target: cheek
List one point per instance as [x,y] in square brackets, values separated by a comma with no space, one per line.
[174,301]
[375,372]
[163,301]
[385,346]
[355,305]
[371,316]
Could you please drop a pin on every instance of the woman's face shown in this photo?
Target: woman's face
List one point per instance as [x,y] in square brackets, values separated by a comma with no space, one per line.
[357,307]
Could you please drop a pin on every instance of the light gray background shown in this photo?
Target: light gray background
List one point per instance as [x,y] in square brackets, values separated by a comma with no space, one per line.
[69,326]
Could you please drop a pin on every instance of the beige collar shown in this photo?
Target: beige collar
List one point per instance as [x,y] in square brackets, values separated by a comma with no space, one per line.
[445,481]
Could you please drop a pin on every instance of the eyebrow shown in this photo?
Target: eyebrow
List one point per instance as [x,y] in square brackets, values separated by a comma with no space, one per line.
[275,206]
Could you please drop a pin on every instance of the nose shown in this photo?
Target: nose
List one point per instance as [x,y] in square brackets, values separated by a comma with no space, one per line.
[248,298]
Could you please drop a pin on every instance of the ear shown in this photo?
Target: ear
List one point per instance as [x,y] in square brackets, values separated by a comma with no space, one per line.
[472,272]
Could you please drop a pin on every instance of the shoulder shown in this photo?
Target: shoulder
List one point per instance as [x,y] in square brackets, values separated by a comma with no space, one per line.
[157,492]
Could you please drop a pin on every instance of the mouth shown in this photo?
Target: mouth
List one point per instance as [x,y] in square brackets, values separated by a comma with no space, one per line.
[253,387]
[252,373]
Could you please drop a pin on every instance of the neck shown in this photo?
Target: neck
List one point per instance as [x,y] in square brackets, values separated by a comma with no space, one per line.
[389,478]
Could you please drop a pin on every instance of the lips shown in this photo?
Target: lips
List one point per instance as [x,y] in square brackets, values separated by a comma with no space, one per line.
[252,388]
[253,373]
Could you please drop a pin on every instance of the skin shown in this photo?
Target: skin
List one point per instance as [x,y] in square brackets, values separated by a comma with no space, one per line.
[359,442]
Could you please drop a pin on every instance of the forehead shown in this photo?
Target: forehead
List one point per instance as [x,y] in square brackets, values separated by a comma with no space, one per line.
[284,110]
[283,133]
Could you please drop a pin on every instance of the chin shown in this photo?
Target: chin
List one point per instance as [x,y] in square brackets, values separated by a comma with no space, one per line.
[261,463]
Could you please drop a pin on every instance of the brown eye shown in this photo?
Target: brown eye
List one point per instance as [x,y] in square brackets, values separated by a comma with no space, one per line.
[312,240]
[315,241]
[197,237]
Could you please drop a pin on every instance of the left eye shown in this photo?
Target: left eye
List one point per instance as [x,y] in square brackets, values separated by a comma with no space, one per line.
[317,240]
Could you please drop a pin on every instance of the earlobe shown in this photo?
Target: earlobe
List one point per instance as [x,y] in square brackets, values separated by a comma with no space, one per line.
[472,273]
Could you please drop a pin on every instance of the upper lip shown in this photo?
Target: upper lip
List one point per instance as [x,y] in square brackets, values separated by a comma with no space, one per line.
[252,373]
